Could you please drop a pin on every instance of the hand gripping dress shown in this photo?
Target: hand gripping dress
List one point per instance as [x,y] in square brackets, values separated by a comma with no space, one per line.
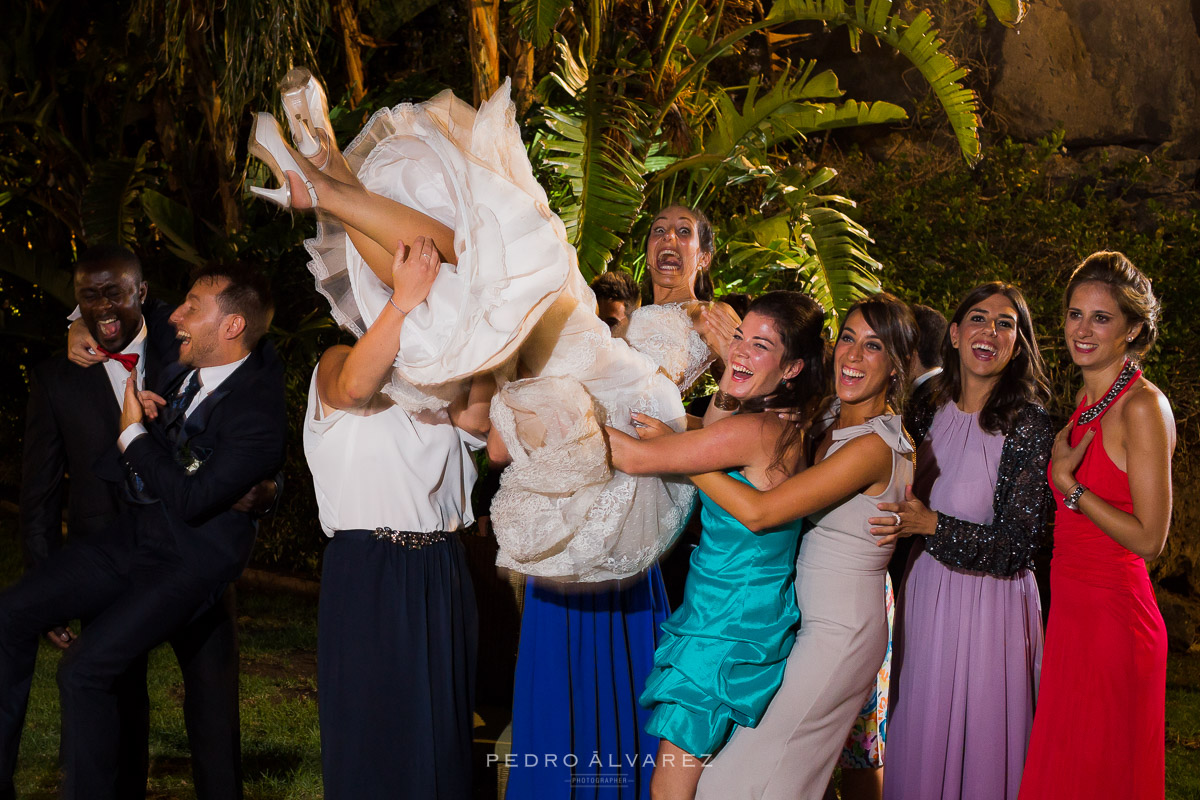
[834,662]
[1100,723]
[722,653]
[516,294]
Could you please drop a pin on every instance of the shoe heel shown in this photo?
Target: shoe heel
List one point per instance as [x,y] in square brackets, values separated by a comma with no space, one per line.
[307,115]
[281,197]
[296,106]
[267,145]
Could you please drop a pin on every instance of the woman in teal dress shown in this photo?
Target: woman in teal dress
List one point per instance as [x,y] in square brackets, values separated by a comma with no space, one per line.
[722,653]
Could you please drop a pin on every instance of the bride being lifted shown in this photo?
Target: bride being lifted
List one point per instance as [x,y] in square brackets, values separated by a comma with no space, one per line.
[509,298]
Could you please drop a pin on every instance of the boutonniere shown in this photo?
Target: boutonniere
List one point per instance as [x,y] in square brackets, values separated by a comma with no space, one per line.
[190,458]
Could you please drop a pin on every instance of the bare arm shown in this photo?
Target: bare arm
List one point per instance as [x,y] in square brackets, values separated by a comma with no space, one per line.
[712,413]
[853,468]
[1149,446]
[727,444]
[470,412]
[348,377]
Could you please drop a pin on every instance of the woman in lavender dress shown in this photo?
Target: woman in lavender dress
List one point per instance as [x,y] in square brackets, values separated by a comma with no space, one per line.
[968,622]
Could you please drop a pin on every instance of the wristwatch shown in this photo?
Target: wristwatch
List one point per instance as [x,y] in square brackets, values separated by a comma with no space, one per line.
[725,402]
[1071,501]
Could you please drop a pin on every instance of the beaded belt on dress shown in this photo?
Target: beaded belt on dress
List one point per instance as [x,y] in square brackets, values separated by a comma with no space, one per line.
[412,540]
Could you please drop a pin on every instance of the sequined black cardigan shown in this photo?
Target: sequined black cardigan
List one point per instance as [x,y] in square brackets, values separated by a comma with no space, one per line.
[1023,507]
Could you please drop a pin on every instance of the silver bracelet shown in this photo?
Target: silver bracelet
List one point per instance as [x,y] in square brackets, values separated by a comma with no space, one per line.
[1071,501]
[398,308]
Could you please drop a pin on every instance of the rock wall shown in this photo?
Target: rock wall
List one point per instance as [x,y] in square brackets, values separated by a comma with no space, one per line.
[1107,71]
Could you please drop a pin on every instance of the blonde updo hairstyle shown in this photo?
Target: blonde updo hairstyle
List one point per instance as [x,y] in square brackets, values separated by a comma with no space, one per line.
[1131,289]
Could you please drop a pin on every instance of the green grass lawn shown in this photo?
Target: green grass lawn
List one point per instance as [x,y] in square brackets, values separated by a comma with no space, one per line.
[280,736]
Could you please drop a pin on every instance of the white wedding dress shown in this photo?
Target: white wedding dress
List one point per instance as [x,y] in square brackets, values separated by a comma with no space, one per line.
[516,302]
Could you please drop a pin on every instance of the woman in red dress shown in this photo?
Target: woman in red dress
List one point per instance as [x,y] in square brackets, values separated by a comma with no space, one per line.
[1099,726]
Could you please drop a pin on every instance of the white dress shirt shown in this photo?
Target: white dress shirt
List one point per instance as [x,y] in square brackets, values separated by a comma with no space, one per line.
[117,374]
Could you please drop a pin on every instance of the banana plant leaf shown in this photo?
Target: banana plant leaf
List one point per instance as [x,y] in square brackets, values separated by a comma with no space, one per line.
[174,222]
[107,206]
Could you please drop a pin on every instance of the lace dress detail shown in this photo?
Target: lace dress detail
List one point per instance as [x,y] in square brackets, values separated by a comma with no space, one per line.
[657,331]
[515,294]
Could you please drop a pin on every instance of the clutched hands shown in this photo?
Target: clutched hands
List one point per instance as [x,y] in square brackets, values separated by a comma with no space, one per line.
[61,637]
[623,447]
[413,273]
[139,405]
[647,427]
[259,498]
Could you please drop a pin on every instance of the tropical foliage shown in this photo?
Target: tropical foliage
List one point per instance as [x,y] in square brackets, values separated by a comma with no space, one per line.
[636,115]
[125,123]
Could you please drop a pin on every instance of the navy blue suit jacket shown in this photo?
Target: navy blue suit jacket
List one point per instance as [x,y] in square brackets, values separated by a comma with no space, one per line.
[238,433]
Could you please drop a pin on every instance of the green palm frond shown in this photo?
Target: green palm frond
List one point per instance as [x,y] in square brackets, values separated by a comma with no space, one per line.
[594,146]
[814,246]
[787,111]
[827,116]
[107,205]
[917,41]
[535,19]
[840,271]
[1009,12]
[605,179]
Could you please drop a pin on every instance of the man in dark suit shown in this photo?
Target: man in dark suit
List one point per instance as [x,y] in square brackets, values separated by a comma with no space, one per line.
[172,552]
[71,423]
[926,361]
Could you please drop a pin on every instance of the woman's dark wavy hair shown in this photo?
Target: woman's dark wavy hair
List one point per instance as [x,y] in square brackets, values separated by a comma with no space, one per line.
[704,236]
[1023,380]
[894,324]
[799,320]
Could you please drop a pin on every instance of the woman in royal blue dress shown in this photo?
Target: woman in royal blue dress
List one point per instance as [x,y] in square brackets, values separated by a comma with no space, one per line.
[585,652]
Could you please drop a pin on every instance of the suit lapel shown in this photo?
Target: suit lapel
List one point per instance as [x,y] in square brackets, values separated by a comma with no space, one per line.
[198,420]
[168,378]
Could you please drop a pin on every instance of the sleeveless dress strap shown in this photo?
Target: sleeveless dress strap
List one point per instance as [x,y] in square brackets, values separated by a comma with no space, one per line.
[889,427]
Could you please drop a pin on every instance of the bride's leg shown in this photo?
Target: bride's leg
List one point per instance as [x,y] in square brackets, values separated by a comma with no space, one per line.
[373,222]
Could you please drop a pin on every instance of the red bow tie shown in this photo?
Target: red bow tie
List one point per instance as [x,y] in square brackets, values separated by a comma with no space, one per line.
[127,360]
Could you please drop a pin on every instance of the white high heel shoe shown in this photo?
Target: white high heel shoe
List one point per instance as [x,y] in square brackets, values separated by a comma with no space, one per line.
[307,111]
[267,145]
